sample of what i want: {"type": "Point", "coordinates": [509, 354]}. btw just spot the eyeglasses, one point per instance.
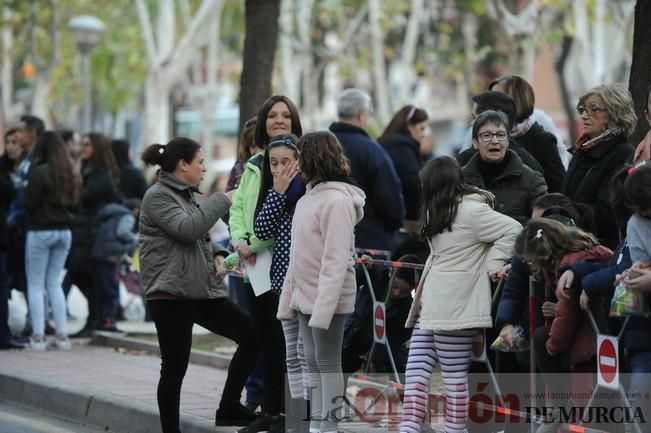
{"type": "Point", "coordinates": [487, 137]}
{"type": "Point", "coordinates": [592, 111]}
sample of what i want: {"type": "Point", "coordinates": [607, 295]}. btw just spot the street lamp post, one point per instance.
{"type": "Point", "coordinates": [87, 31]}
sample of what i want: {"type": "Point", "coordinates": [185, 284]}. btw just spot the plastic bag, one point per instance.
{"type": "Point", "coordinates": [231, 265]}
{"type": "Point", "coordinates": [520, 344]}
{"type": "Point", "coordinates": [627, 301]}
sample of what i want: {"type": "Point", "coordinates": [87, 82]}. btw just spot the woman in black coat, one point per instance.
{"type": "Point", "coordinates": [608, 119]}
{"type": "Point", "coordinates": [100, 172]}
{"type": "Point", "coordinates": [401, 139]}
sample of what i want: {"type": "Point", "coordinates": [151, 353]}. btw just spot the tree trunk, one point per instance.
{"type": "Point", "coordinates": [6, 74]}
{"type": "Point", "coordinates": [402, 74]}
{"type": "Point", "coordinates": [157, 109]}
{"type": "Point", "coordinates": [568, 103]}
{"type": "Point", "coordinates": [379, 70]}
{"type": "Point", "coordinates": [641, 67]}
{"type": "Point", "coordinates": [289, 79]}
{"type": "Point", "coordinates": [259, 50]}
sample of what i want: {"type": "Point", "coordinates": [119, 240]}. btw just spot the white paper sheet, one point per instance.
{"type": "Point", "coordinates": [259, 274]}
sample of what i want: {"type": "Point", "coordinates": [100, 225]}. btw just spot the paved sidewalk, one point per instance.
{"type": "Point", "coordinates": [115, 389]}
{"type": "Point", "coordinates": [110, 388]}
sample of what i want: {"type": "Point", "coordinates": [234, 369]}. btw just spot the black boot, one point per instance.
{"type": "Point", "coordinates": [233, 415]}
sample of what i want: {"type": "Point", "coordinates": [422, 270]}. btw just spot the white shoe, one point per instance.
{"type": "Point", "coordinates": [62, 344]}
{"type": "Point", "coordinates": [37, 345]}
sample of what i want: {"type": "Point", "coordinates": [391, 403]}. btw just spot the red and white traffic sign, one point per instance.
{"type": "Point", "coordinates": [479, 347]}
{"type": "Point", "coordinates": [379, 322]}
{"type": "Point", "coordinates": [608, 362]}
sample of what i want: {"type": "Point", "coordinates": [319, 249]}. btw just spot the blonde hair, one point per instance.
{"type": "Point", "coordinates": [618, 104]}
{"type": "Point", "coordinates": [544, 242]}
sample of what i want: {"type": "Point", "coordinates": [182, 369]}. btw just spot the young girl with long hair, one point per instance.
{"type": "Point", "coordinates": [53, 188]}
{"type": "Point", "coordinates": [320, 288]}
{"type": "Point", "coordinates": [469, 243]}
{"type": "Point", "coordinates": [274, 221]}
{"type": "Point", "coordinates": [277, 116]}
{"type": "Point", "coordinates": [550, 247]}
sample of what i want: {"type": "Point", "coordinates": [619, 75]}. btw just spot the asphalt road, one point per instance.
{"type": "Point", "coordinates": [16, 419]}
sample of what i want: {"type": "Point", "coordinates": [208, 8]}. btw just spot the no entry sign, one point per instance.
{"type": "Point", "coordinates": [608, 362]}
{"type": "Point", "coordinates": [379, 322]}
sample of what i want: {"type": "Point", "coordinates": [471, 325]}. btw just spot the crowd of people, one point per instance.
{"type": "Point", "coordinates": [72, 203]}
{"type": "Point", "coordinates": [300, 206]}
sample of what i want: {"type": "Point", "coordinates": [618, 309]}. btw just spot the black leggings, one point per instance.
{"type": "Point", "coordinates": [174, 320]}
{"type": "Point", "coordinates": [269, 332]}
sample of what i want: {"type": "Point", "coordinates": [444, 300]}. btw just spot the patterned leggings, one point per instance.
{"type": "Point", "coordinates": [295, 359]}
{"type": "Point", "coordinates": [452, 349]}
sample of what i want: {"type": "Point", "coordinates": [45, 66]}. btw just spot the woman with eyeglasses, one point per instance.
{"type": "Point", "coordinates": [277, 116]}
{"type": "Point", "coordinates": [499, 170]}
{"type": "Point", "coordinates": [608, 119]}
{"type": "Point", "coordinates": [531, 134]}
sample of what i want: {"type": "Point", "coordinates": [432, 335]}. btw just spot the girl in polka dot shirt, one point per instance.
{"type": "Point", "coordinates": [274, 221]}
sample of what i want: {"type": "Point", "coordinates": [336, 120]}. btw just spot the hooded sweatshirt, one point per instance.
{"type": "Point", "coordinates": [320, 280]}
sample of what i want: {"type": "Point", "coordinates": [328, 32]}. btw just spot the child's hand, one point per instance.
{"type": "Point", "coordinates": [507, 334]}
{"type": "Point", "coordinates": [367, 260]}
{"type": "Point", "coordinates": [584, 301]}
{"type": "Point", "coordinates": [285, 176]}
{"type": "Point", "coordinates": [564, 284]}
{"type": "Point", "coordinates": [641, 282]}
{"type": "Point", "coordinates": [549, 309]}
{"type": "Point", "coordinates": [219, 261]}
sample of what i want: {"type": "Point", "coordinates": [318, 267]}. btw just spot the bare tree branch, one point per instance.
{"type": "Point", "coordinates": [186, 15]}
{"type": "Point", "coordinates": [411, 35]}
{"type": "Point", "coordinates": [147, 34]}
{"type": "Point", "coordinates": [55, 38]}
{"type": "Point", "coordinates": [186, 48]}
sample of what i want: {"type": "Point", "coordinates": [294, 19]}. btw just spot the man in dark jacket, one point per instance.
{"type": "Point", "coordinates": [373, 170]}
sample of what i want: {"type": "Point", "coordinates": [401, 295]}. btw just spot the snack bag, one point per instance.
{"type": "Point", "coordinates": [231, 264]}
{"type": "Point", "coordinates": [627, 301]}
{"type": "Point", "coordinates": [520, 344]}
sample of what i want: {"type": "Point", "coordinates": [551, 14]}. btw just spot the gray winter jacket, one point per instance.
{"type": "Point", "coordinates": [115, 236]}
{"type": "Point", "coordinates": [176, 256]}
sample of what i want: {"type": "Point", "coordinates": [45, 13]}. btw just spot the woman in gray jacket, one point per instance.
{"type": "Point", "coordinates": [179, 277]}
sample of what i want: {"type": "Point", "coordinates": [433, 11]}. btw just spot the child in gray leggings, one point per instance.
{"type": "Point", "coordinates": [323, 355]}
{"type": "Point", "coordinates": [320, 286]}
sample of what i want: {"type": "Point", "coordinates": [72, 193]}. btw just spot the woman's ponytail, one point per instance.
{"type": "Point", "coordinates": [153, 154]}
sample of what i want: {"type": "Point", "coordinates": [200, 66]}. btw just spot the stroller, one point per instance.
{"type": "Point", "coordinates": [132, 301]}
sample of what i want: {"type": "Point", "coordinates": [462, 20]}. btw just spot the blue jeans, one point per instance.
{"type": "Point", "coordinates": [45, 256]}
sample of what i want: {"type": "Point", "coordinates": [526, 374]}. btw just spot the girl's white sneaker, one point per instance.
{"type": "Point", "coordinates": [62, 343]}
